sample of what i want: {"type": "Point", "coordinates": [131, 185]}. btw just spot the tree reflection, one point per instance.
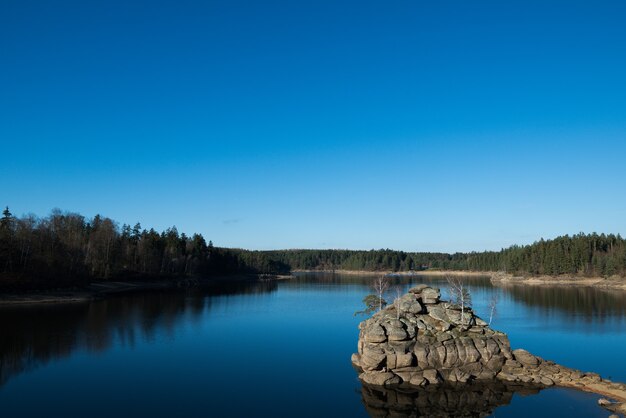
{"type": "Point", "coordinates": [589, 303]}
{"type": "Point", "coordinates": [477, 282]}
{"type": "Point", "coordinates": [586, 302]}
{"type": "Point", "coordinates": [34, 335]}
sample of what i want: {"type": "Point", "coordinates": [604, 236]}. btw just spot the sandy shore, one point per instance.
{"type": "Point", "coordinates": [401, 273]}
{"type": "Point", "coordinates": [442, 273]}
{"type": "Point", "coordinates": [497, 278]}
{"type": "Point", "coordinates": [612, 283]}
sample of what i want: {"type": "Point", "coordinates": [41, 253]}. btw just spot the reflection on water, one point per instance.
{"type": "Point", "coordinates": [587, 302]}
{"type": "Point", "coordinates": [183, 353]}
{"type": "Point", "coordinates": [478, 282]}
{"type": "Point", "coordinates": [37, 334]}
{"type": "Point", "coordinates": [474, 400]}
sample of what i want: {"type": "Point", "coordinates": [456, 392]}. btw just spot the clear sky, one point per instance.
{"type": "Point", "coordinates": [413, 125]}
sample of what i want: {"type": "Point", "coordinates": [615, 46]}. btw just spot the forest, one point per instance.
{"type": "Point", "coordinates": [580, 254]}
{"type": "Point", "coordinates": [65, 248]}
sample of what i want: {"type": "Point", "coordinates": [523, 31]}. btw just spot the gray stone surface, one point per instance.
{"type": "Point", "coordinates": [423, 341]}
{"type": "Point", "coordinates": [427, 342]}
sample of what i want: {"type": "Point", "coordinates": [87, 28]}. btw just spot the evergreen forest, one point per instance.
{"type": "Point", "coordinates": [65, 248]}
{"type": "Point", "coordinates": [581, 254]}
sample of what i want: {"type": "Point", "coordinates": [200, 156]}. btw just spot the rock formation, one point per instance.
{"type": "Point", "coordinates": [421, 340]}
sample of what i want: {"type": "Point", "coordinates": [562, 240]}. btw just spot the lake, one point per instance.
{"type": "Point", "coordinates": [279, 349]}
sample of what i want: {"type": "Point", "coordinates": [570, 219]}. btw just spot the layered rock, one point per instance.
{"type": "Point", "coordinates": [421, 340]}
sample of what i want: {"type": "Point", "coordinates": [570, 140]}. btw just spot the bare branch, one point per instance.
{"type": "Point", "coordinates": [493, 311]}
{"type": "Point", "coordinates": [459, 293]}
{"type": "Point", "coordinates": [397, 290]}
{"type": "Point", "coordinates": [381, 284]}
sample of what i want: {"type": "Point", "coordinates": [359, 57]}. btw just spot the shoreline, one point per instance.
{"type": "Point", "coordinates": [507, 279]}
{"type": "Point", "coordinates": [497, 278]}
{"type": "Point", "coordinates": [102, 289]}
{"type": "Point", "coordinates": [90, 292]}
{"type": "Point", "coordinates": [401, 273]}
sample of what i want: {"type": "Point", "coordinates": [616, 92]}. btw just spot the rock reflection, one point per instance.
{"type": "Point", "coordinates": [469, 400]}
{"type": "Point", "coordinates": [35, 335]}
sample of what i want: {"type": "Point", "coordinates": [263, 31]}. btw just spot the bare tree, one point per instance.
{"type": "Point", "coordinates": [459, 293]}
{"type": "Point", "coordinates": [397, 292]}
{"type": "Point", "coordinates": [375, 301]}
{"type": "Point", "coordinates": [493, 311]}
{"type": "Point", "coordinates": [381, 285]}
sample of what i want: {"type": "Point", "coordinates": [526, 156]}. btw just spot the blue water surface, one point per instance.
{"type": "Point", "coordinates": [275, 349]}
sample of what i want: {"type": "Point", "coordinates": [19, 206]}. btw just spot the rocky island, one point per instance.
{"type": "Point", "coordinates": [421, 341]}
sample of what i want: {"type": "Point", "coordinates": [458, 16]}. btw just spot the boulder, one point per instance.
{"type": "Point", "coordinates": [432, 376]}
{"type": "Point", "coordinates": [430, 295]}
{"type": "Point", "coordinates": [404, 360]}
{"type": "Point", "coordinates": [418, 379]}
{"type": "Point", "coordinates": [371, 358]}
{"type": "Point", "coordinates": [525, 358]}
{"type": "Point", "coordinates": [375, 334]}
{"type": "Point", "coordinates": [438, 312]}
{"type": "Point", "coordinates": [380, 378]}
{"type": "Point", "coordinates": [480, 322]}
{"type": "Point", "coordinates": [418, 289]}
{"type": "Point", "coordinates": [410, 328]}
{"type": "Point", "coordinates": [395, 331]}
{"type": "Point", "coordinates": [410, 304]}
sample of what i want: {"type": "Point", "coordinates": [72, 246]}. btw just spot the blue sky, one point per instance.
{"type": "Point", "coordinates": [422, 126]}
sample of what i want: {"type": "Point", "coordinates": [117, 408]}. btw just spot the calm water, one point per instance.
{"type": "Point", "coordinates": [276, 349]}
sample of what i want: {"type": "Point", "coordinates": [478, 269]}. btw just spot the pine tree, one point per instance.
{"type": "Point", "coordinates": [7, 219]}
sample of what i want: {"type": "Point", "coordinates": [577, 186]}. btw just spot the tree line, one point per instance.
{"type": "Point", "coordinates": [585, 254]}
{"type": "Point", "coordinates": [371, 260]}
{"type": "Point", "coordinates": [582, 254]}
{"type": "Point", "coordinates": [66, 248]}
